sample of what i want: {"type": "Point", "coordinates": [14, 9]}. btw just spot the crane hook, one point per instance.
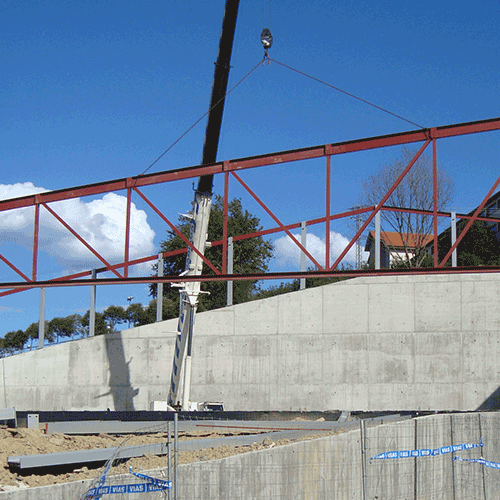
{"type": "Point", "coordinates": [266, 38]}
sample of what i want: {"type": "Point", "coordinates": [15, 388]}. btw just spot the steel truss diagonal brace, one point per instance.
{"type": "Point", "coordinates": [82, 241]}
{"type": "Point", "coordinates": [380, 205]}
{"type": "Point", "coordinates": [280, 224]}
{"type": "Point", "coordinates": [177, 232]}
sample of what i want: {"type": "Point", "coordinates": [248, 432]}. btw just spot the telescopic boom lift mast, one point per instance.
{"type": "Point", "coordinates": [180, 383]}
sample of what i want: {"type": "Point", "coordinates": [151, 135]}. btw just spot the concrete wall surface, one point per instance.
{"type": "Point", "coordinates": [342, 466]}
{"type": "Point", "coordinates": [376, 343]}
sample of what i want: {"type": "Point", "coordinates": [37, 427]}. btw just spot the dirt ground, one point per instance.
{"type": "Point", "coordinates": [20, 441]}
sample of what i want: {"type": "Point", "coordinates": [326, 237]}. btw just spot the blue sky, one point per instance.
{"type": "Point", "coordinates": [94, 91]}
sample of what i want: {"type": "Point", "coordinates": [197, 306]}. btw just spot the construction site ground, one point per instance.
{"type": "Point", "coordinates": [21, 441]}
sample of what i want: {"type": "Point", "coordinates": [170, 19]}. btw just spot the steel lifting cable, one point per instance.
{"type": "Point", "coordinates": [347, 93]}
{"type": "Point", "coordinates": [201, 117]}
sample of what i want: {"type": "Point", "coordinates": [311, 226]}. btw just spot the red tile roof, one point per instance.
{"type": "Point", "coordinates": [396, 240]}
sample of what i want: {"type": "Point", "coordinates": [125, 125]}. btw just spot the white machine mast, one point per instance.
{"type": "Point", "coordinates": [180, 383]}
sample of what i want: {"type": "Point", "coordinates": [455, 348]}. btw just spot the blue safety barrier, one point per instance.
{"type": "Point", "coordinates": [487, 463]}
{"type": "Point", "coordinates": [425, 452]}
{"type": "Point", "coordinates": [127, 488]}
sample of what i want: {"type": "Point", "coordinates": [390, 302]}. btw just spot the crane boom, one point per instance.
{"type": "Point", "coordinates": [180, 383]}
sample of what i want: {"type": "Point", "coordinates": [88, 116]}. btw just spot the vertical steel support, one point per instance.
{"type": "Point", "coordinates": [169, 459]}
{"type": "Point", "coordinates": [230, 270]}
{"type": "Point", "coordinates": [454, 238]}
{"type": "Point", "coordinates": [92, 306]}
{"type": "Point", "coordinates": [224, 223]}
{"type": "Point", "coordinates": [41, 320]}
{"type": "Point", "coordinates": [303, 241]}
{"type": "Point", "coordinates": [127, 234]}
{"type": "Point", "coordinates": [415, 463]}
{"type": "Point", "coordinates": [377, 240]}
{"type": "Point", "coordinates": [176, 452]}
{"type": "Point", "coordinates": [362, 431]}
{"type": "Point", "coordinates": [159, 290]}
{"type": "Point", "coordinates": [327, 233]}
{"type": "Point", "coordinates": [452, 461]}
{"type": "Point", "coordinates": [435, 201]}
{"type": "Point", "coordinates": [36, 225]}
{"type": "Point", "coordinates": [482, 466]}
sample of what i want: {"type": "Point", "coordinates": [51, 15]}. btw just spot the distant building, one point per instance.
{"type": "Point", "coordinates": [492, 209]}
{"type": "Point", "coordinates": [395, 247]}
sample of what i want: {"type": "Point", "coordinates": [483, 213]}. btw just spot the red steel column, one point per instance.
{"type": "Point", "coordinates": [327, 235]}
{"type": "Point", "coordinates": [127, 234]}
{"type": "Point", "coordinates": [36, 226]}
{"type": "Point", "coordinates": [225, 221]}
{"type": "Point", "coordinates": [435, 200]}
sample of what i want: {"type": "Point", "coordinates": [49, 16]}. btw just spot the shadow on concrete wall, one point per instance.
{"type": "Point", "coordinates": [492, 402]}
{"type": "Point", "coordinates": [120, 387]}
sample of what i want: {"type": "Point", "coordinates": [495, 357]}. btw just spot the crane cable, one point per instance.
{"type": "Point", "coordinates": [201, 117]}
{"type": "Point", "coordinates": [347, 93]}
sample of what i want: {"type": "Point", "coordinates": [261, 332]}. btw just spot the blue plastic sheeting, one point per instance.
{"type": "Point", "coordinates": [426, 452]}
{"type": "Point", "coordinates": [487, 463]}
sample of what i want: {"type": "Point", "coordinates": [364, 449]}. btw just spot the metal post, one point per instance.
{"type": "Point", "coordinates": [230, 270]}
{"type": "Point", "coordinates": [415, 470]}
{"type": "Point", "coordinates": [169, 450]}
{"type": "Point", "coordinates": [454, 238]}
{"type": "Point", "coordinates": [377, 240]}
{"type": "Point", "coordinates": [41, 320]}
{"type": "Point", "coordinates": [303, 241]}
{"type": "Point", "coordinates": [176, 452]}
{"type": "Point", "coordinates": [482, 466]}
{"type": "Point", "coordinates": [92, 306]}
{"type": "Point", "coordinates": [452, 461]}
{"type": "Point", "coordinates": [362, 430]}
{"type": "Point", "coordinates": [159, 290]}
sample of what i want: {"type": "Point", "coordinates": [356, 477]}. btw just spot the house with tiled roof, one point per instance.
{"type": "Point", "coordinates": [395, 247]}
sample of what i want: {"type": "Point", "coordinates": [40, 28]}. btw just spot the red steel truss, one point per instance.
{"type": "Point", "coordinates": [229, 169]}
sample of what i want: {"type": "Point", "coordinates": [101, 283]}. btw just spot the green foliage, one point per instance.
{"type": "Point", "coordinates": [114, 315]}
{"type": "Point", "coordinates": [479, 246]}
{"type": "Point", "coordinates": [250, 256]}
{"type": "Point", "coordinates": [101, 326]}
{"type": "Point", "coordinates": [14, 341]}
{"type": "Point", "coordinates": [63, 327]}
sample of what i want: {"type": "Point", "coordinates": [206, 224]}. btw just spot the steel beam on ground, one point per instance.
{"type": "Point", "coordinates": [105, 427]}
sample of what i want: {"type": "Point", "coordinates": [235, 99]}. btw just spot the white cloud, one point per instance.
{"type": "Point", "coordinates": [100, 222]}
{"type": "Point", "coordinates": [287, 253]}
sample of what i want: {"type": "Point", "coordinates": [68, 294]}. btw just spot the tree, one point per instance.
{"type": "Point", "coordinates": [14, 341]}
{"type": "Point", "coordinates": [63, 327]}
{"type": "Point", "coordinates": [101, 326]}
{"type": "Point", "coordinates": [114, 315]}
{"type": "Point", "coordinates": [479, 246]}
{"type": "Point", "coordinates": [249, 256]}
{"type": "Point", "coordinates": [415, 191]}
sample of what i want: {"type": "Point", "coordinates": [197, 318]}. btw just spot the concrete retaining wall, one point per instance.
{"type": "Point", "coordinates": [339, 467]}
{"type": "Point", "coordinates": [395, 343]}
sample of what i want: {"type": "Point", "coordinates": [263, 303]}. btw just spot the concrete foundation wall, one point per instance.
{"type": "Point", "coordinates": [395, 343]}
{"type": "Point", "coordinates": [341, 467]}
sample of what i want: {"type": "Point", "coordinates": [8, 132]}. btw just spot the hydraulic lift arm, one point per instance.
{"type": "Point", "coordinates": [180, 383]}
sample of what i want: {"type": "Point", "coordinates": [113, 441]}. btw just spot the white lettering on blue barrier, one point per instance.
{"type": "Point", "coordinates": [482, 461]}
{"type": "Point", "coordinates": [426, 452]}
{"type": "Point", "coordinates": [128, 488]}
